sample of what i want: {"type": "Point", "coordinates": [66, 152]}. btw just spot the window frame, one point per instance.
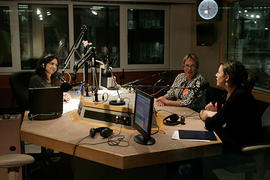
{"type": "Point", "coordinates": [259, 92]}
{"type": "Point", "coordinates": [124, 42]}
{"type": "Point", "coordinates": [15, 39]}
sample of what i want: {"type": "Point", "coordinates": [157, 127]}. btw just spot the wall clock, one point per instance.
{"type": "Point", "coordinates": [208, 9]}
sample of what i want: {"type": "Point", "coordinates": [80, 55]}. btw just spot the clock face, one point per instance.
{"type": "Point", "coordinates": [208, 9]}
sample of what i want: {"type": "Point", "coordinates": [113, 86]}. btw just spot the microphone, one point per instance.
{"type": "Point", "coordinates": [201, 88]}
{"type": "Point", "coordinates": [166, 74]}
{"type": "Point", "coordinates": [195, 89]}
{"type": "Point", "coordinates": [60, 76]}
{"type": "Point", "coordinates": [163, 76]}
{"type": "Point", "coordinates": [119, 100]}
{"type": "Point", "coordinates": [67, 86]}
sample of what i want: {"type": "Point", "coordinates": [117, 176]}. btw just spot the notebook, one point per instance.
{"type": "Point", "coordinates": [45, 103]}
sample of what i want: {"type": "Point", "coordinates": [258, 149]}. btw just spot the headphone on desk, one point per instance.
{"type": "Point", "coordinates": [105, 132]}
{"type": "Point", "coordinates": [172, 120]}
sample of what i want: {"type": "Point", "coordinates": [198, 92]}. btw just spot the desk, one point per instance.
{"type": "Point", "coordinates": [63, 133]}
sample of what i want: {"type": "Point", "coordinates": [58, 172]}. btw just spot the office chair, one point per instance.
{"type": "Point", "coordinates": [259, 153]}
{"type": "Point", "coordinates": [13, 162]}
{"type": "Point", "coordinates": [19, 85]}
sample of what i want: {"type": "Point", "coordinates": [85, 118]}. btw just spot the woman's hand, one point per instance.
{"type": "Point", "coordinates": [204, 114]}
{"type": "Point", "coordinates": [66, 97]}
{"type": "Point", "coordinates": [211, 107]}
{"type": "Point", "coordinates": [161, 101]}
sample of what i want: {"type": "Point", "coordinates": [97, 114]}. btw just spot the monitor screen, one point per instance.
{"type": "Point", "coordinates": [143, 117]}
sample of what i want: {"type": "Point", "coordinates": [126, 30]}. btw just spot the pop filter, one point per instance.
{"type": "Point", "coordinates": [66, 87]}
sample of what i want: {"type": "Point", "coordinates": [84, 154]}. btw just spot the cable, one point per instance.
{"type": "Point", "coordinates": [120, 139]}
{"type": "Point", "coordinates": [74, 148]}
{"type": "Point", "coordinates": [111, 141]}
{"type": "Point", "coordinates": [158, 130]}
{"type": "Point", "coordinates": [117, 142]}
{"type": "Point", "coordinates": [155, 132]}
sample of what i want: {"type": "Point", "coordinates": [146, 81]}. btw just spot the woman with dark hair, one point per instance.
{"type": "Point", "coordinates": [237, 122]}
{"type": "Point", "coordinates": [186, 89]}
{"type": "Point", "coordinates": [46, 72]}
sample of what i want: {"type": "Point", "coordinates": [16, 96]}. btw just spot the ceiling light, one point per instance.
{"type": "Point", "coordinates": [94, 12]}
{"type": "Point", "coordinates": [38, 11]}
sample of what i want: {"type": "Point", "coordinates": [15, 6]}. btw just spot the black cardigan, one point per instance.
{"type": "Point", "coordinates": [237, 123]}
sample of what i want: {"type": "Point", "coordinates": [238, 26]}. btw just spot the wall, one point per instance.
{"type": "Point", "coordinates": [181, 26]}
{"type": "Point", "coordinates": [183, 40]}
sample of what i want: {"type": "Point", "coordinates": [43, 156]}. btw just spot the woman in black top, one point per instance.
{"type": "Point", "coordinates": [46, 72]}
{"type": "Point", "coordinates": [237, 122]}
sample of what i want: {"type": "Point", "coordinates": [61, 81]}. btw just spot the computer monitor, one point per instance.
{"type": "Point", "coordinates": [143, 117]}
{"type": "Point", "coordinates": [104, 75]}
{"type": "Point", "coordinates": [45, 103]}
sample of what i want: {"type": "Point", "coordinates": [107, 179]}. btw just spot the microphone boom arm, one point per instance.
{"type": "Point", "coordinates": [82, 61]}
{"type": "Point", "coordinates": [74, 47]}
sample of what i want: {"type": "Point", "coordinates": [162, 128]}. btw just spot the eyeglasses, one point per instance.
{"type": "Point", "coordinates": [190, 66]}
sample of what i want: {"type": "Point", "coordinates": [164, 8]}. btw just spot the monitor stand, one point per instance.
{"type": "Point", "coordinates": [141, 140]}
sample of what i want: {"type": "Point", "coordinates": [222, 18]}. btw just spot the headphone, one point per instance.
{"type": "Point", "coordinates": [105, 132]}
{"type": "Point", "coordinates": [172, 120]}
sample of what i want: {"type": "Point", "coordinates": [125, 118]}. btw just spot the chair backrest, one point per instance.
{"type": "Point", "coordinates": [266, 117]}
{"type": "Point", "coordinates": [266, 123]}
{"type": "Point", "coordinates": [19, 82]}
{"type": "Point", "coordinates": [214, 95]}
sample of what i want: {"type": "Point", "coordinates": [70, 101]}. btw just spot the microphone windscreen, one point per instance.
{"type": "Point", "coordinates": [66, 87]}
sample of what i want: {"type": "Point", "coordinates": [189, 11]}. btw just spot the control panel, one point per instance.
{"type": "Point", "coordinates": [105, 116]}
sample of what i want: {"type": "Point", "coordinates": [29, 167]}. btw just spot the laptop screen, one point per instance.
{"type": "Point", "coordinates": [45, 103]}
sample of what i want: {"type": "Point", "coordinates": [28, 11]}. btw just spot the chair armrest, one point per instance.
{"type": "Point", "coordinates": [257, 147]}
{"type": "Point", "coordinates": [15, 160]}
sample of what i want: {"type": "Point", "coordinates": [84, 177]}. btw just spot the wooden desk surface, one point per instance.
{"type": "Point", "coordinates": [63, 133]}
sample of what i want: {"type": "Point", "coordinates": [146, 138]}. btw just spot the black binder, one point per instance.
{"type": "Point", "coordinates": [197, 135]}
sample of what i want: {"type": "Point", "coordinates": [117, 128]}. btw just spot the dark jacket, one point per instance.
{"type": "Point", "coordinates": [237, 123]}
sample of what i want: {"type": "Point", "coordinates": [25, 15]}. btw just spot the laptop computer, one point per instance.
{"type": "Point", "coordinates": [45, 103]}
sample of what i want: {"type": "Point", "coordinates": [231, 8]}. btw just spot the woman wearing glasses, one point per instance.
{"type": "Point", "coordinates": [187, 89]}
